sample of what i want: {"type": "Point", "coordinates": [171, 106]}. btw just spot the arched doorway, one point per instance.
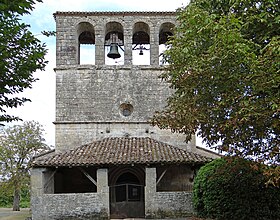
{"type": "Point", "coordinates": [127, 194]}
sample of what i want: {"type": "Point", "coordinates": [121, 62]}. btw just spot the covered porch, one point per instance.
{"type": "Point", "coordinates": [115, 178]}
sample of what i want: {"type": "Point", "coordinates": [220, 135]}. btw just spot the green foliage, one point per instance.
{"type": "Point", "coordinates": [224, 64]}
{"type": "Point", "coordinates": [234, 188]}
{"type": "Point", "coordinates": [21, 54]}
{"type": "Point", "coordinates": [18, 145]}
{"type": "Point", "coordinates": [48, 33]}
{"type": "Point", "coordinates": [6, 195]}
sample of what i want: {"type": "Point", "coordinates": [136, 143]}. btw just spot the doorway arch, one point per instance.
{"type": "Point", "coordinates": [127, 193]}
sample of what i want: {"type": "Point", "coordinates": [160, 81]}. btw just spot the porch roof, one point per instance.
{"type": "Point", "coordinates": [121, 150]}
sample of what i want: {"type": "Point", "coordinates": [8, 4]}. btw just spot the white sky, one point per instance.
{"type": "Point", "coordinates": [42, 107]}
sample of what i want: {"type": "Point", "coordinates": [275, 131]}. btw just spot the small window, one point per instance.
{"type": "Point", "coordinates": [86, 52]}
{"type": "Point", "coordinates": [126, 109]}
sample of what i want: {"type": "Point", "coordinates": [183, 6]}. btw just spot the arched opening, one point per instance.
{"type": "Point", "coordinates": [127, 188]}
{"type": "Point", "coordinates": [141, 44]}
{"type": "Point", "coordinates": [126, 192]}
{"type": "Point", "coordinates": [86, 41]}
{"type": "Point", "coordinates": [166, 30]}
{"type": "Point", "coordinates": [114, 44]}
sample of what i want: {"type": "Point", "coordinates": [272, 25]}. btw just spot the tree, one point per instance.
{"type": "Point", "coordinates": [21, 54]}
{"type": "Point", "coordinates": [224, 64]}
{"type": "Point", "coordinates": [18, 145]}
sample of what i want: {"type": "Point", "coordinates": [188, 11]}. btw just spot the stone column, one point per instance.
{"type": "Point", "coordinates": [154, 46]}
{"type": "Point", "coordinates": [150, 191]}
{"type": "Point", "coordinates": [37, 191]}
{"type": "Point", "coordinates": [127, 44]}
{"type": "Point", "coordinates": [99, 45]}
{"type": "Point", "coordinates": [37, 181]}
{"type": "Point", "coordinates": [103, 189]}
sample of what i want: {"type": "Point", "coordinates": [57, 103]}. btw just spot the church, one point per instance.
{"type": "Point", "coordinates": [109, 162]}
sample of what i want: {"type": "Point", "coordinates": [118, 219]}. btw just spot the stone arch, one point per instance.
{"type": "Point", "coordinates": [141, 43]}
{"type": "Point", "coordinates": [165, 31]}
{"type": "Point", "coordinates": [126, 185]}
{"type": "Point", "coordinates": [114, 33]}
{"type": "Point", "coordinates": [141, 33]}
{"type": "Point", "coordinates": [116, 172]}
{"type": "Point", "coordinates": [86, 42]}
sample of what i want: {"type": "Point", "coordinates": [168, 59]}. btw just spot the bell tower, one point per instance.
{"type": "Point", "coordinates": [113, 94]}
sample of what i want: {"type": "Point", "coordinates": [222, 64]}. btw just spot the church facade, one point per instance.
{"type": "Point", "coordinates": [109, 162]}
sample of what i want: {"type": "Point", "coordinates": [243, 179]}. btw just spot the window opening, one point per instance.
{"type": "Point", "coordinates": [86, 52]}
{"type": "Point", "coordinates": [166, 31]}
{"type": "Point", "coordinates": [141, 44]}
{"type": "Point", "coordinates": [114, 44]}
{"type": "Point", "coordinates": [126, 109]}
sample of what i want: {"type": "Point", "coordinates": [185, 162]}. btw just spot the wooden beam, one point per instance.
{"type": "Point", "coordinates": [50, 178]}
{"type": "Point", "coordinates": [88, 176]}
{"type": "Point", "coordinates": [161, 176]}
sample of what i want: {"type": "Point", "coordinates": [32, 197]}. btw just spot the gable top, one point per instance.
{"type": "Point", "coordinates": [117, 151]}
{"type": "Point", "coordinates": [113, 13]}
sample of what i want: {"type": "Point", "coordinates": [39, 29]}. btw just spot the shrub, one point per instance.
{"type": "Point", "coordinates": [234, 188]}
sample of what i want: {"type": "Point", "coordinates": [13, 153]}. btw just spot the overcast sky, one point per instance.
{"type": "Point", "coordinates": [42, 107]}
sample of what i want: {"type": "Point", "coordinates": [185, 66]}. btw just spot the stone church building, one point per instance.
{"type": "Point", "coordinates": [109, 162]}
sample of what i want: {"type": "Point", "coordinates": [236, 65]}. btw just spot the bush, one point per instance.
{"type": "Point", "coordinates": [234, 188]}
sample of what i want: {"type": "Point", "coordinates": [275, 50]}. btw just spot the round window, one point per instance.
{"type": "Point", "coordinates": [126, 109]}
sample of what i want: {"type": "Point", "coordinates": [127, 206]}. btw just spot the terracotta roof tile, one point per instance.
{"type": "Point", "coordinates": [112, 151]}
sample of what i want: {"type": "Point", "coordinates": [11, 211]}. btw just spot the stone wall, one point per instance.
{"type": "Point", "coordinates": [171, 205]}
{"type": "Point", "coordinates": [71, 206]}
{"type": "Point", "coordinates": [68, 206]}
{"type": "Point", "coordinates": [89, 105]}
{"type": "Point", "coordinates": [165, 204]}
{"type": "Point", "coordinates": [96, 94]}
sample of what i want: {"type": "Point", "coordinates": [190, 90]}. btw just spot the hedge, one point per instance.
{"type": "Point", "coordinates": [234, 188]}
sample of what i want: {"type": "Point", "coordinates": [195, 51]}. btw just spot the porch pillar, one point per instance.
{"type": "Point", "coordinates": [37, 181]}
{"type": "Point", "coordinates": [103, 190]}
{"type": "Point", "coordinates": [150, 191]}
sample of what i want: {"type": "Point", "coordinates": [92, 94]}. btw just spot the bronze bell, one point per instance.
{"type": "Point", "coordinates": [113, 53]}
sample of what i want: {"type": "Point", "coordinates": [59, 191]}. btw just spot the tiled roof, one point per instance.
{"type": "Point", "coordinates": [113, 151]}
{"type": "Point", "coordinates": [116, 13]}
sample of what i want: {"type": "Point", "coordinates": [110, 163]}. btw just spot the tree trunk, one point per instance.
{"type": "Point", "coordinates": [16, 200]}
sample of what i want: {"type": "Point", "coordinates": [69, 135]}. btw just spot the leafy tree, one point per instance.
{"type": "Point", "coordinates": [21, 54]}
{"type": "Point", "coordinates": [224, 64]}
{"type": "Point", "coordinates": [18, 145]}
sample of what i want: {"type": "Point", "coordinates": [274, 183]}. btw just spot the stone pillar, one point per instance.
{"type": "Point", "coordinates": [103, 189]}
{"type": "Point", "coordinates": [150, 191]}
{"type": "Point", "coordinates": [127, 44]}
{"type": "Point", "coordinates": [37, 181]}
{"type": "Point", "coordinates": [99, 45]}
{"type": "Point", "coordinates": [37, 191]}
{"type": "Point", "coordinates": [154, 46]}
